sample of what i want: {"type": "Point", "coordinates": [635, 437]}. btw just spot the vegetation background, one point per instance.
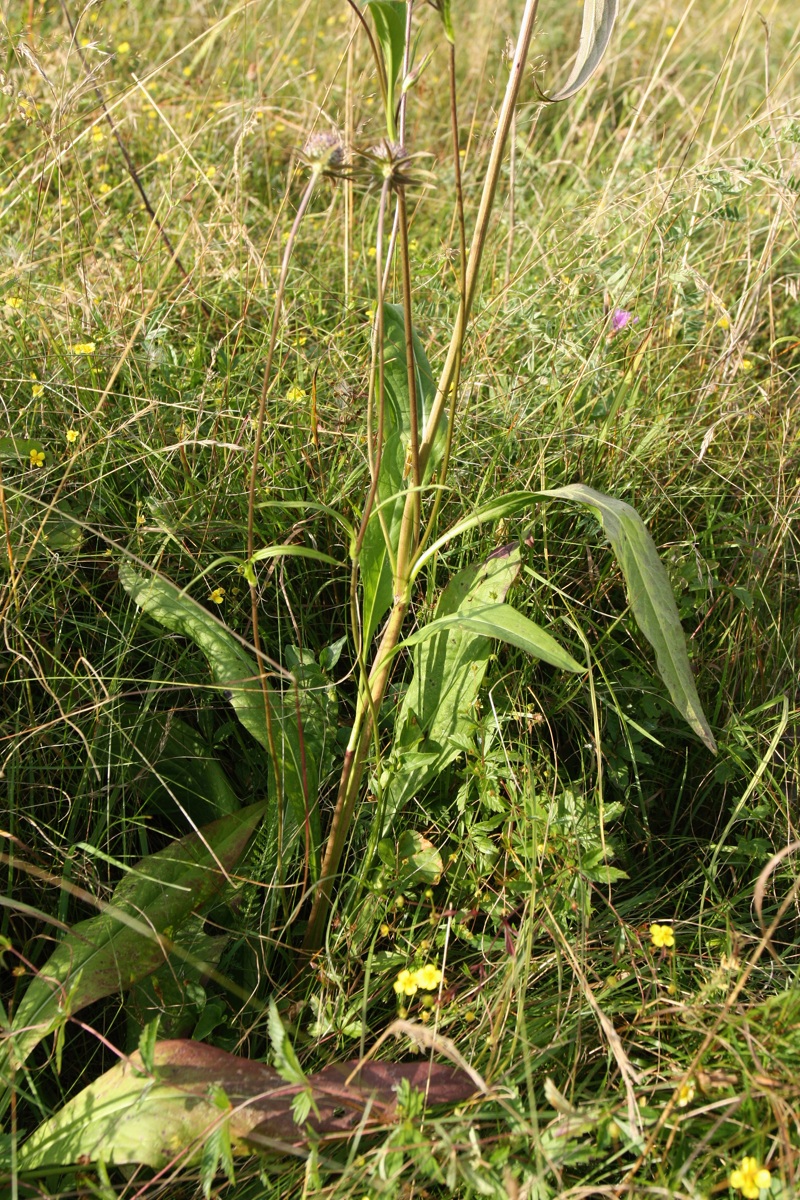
{"type": "Point", "coordinates": [666, 190]}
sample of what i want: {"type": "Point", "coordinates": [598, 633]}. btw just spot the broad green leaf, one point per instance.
{"type": "Point", "coordinates": [412, 859]}
{"type": "Point", "coordinates": [131, 1116]}
{"type": "Point", "coordinates": [170, 764]}
{"type": "Point", "coordinates": [110, 952]}
{"type": "Point", "coordinates": [505, 623]}
{"type": "Point", "coordinates": [598, 24]}
{"type": "Point", "coordinates": [650, 597]}
{"type": "Point", "coordinates": [14, 449]}
{"type": "Point", "coordinates": [375, 565]}
{"type": "Point", "coordinates": [301, 748]}
{"type": "Point", "coordinates": [390, 25]}
{"type": "Point", "coordinates": [436, 718]}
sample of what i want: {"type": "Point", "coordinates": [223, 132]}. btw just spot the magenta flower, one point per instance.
{"type": "Point", "coordinates": [621, 318]}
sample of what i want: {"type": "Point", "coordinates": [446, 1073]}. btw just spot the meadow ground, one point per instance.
{"type": "Point", "coordinates": [637, 329]}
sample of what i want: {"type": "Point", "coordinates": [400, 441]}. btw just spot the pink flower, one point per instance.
{"type": "Point", "coordinates": [621, 318]}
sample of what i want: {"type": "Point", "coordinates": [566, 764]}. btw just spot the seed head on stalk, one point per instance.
{"type": "Point", "coordinates": [325, 154]}
{"type": "Point", "coordinates": [390, 162]}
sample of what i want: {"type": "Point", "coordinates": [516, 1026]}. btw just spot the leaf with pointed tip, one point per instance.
{"type": "Point", "coordinates": [130, 1116]}
{"type": "Point", "coordinates": [390, 25]}
{"type": "Point", "coordinates": [110, 952]}
{"type": "Point", "coordinates": [506, 624]}
{"type": "Point", "coordinates": [650, 596]}
{"type": "Point", "coordinates": [598, 24]}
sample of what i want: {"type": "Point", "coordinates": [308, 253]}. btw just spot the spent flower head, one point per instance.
{"type": "Point", "coordinates": [749, 1178]}
{"type": "Point", "coordinates": [390, 163]}
{"type": "Point", "coordinates": [324, 152]}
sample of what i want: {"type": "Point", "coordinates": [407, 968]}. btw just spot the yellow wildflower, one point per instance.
{"type": "Point", "coordinates": [670, 30]}
{"type": "Point", "coordinates": [747, 364]}
{"type": "Point", "coordinates": [723, 323]}
{"type": "Point", "coordinates": [211, 172]}
{"type": "Point", "coordinates": [124, 48]}
{"type": "Point", "coordinates": [662, 936]}
{"type": "Point", "coordinates": [686, 1093]}
{"type": "Point", "coordinates": [83, 348]}
{"type": "Point", "coordinates": [406, 983]}
{"type": "Point", "coordinates": [161, 157]}
{"type": "Point", "coordinates": [217, 595]}
{"type": "Point", "coordinates": [749, 1178]}
{"type": "Point", "coordinates": [37, 458]}
{"type": "Point", "coordinates": [104, 189]}
{"type": "Point", "coordinates": [187, 72]}
{"type": "Point", "coordinates": [37, 390]}
{"type": "Point", "coordinates": [295, 393]}
{"type": "Point", "coordinates": [98, 134]}
{"type": "Point", "coordinates": [428, 978]}
{"type": "Point", "coordinates": [13, 301]}
{"type": "Point", "coordinates": [72, 436]}
{"type": "Point", "coordinates": [371, 252]}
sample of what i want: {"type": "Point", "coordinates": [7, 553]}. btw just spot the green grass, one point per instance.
{"type": "Point", "coordinates": [667, 188]}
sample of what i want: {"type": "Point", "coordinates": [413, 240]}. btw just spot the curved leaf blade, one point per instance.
{"type": "Point", "coordinates": [505, 624]}
{"type": "Point", "coordinates": [650, 596]}
{"type": "Point", "coordinates": [598, 25]}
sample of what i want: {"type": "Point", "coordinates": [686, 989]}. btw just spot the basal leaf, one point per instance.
{"type": "Point", "coordinates": [300, 744]}
{"type": "Point", "coordinates": [598, 24]}
{"type": "Point", "coordinates": [131, 1116]}
{"type": "Point", "coordinates": [650, 596]}
{"type": "Point", "coordinates": [110, 952]}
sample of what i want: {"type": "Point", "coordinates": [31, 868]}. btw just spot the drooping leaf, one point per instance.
{"type": "Point", "coordinates": [110, 952]}
{"type": "Point", "coordinates": [506, 624]}
{"type": "Point", "coordinates": [170, 764]}
{"type": "Point", "coordinates": [436, 718]}
{"type": "Point", "coordinates": [390, 25]}
{"type": "Point", "coordinates": [598, 24]}
{"type": "Point", "coordinates": [375, 563]}
{"type": "Point", "coordinates": [302, 714]}
{"type": "Point", "coordinates": [127, 1116]}
{"type": "Point", "coordinates": [650, 597]}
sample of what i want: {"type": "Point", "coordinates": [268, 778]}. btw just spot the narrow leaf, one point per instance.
{"type": "Point", "coordinates": [598, 24]}
{"type": "Point", "coordinates": [505, 623]}
{"type": "Point", "coordinates": [650, 597]}
{"type": "Point", "coordinates": [390, 25]}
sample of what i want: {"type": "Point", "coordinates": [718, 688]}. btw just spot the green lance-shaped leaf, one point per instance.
{"type": "Point", "coordinates": [598, 24]}
{"type": "Point", "coordinates": [301, 747]}
{"type": "Point", "coordinates": [650, 596]}
{"type": "Point", "coordinates": [506, 624]}
{"type": "Point", "coordinates": [444, 7]}
{"type": "Point", "coordinates": [394, 475]}
{"type": "Point", "coordinates": [436, 718]}
{"type": "Point", "coordinates": [171, 764]}
{"type": "Point", "coordinates": [390, 25]}
{"type": "Point", "coordinates": [110, 952]}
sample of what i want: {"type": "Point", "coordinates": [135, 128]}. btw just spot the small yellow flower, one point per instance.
{"type": "Point", "coordinates": [98, 135]}
{"type": "Point", "coordinates": [669, 30]}
{"type": "Point", "coordinates": [385, 930]}
{"type": "Point", "coordinates": [124, 48]}
{"type": "Point", "coordinates": [187, 71]}
{"type": "Point", "coordinates": [104, 189]}
{"type": "Point", "coordinates": [723, 323]}
{"type": "Point", "coordinates": [371, 252]}
{"type": "Point", "coordinates": [686, 1093]}
{"type": "Point", "coordinates": [37, 389]}
{"type": "Point", "coordinates": [161, 157]}
{"type": "Point", "coordinates": [217, 595]}
{"type": "Point", "coordinates": [428, 978]}
{"type": "Point", "coordinates": [72, 436]}
{"type": "Point", "coordinates": [747, 364]}
{"type": "Point", "coordinates": [662, 936]}
{"type": "Point", "coordinates": [37, 458]}
{"type": "Point", "coordinates": [13, 301]}
{"type": "Point", "coordinates": [211, 172]}
{"type": "Point", "coordinates": [295, 393]}
{"type": "Point", "coordinates": [406, 983]}
{"type": "Point", "coordinates": [83, 348]}
{"type": "Point", "coordinates": [749, 1178]}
